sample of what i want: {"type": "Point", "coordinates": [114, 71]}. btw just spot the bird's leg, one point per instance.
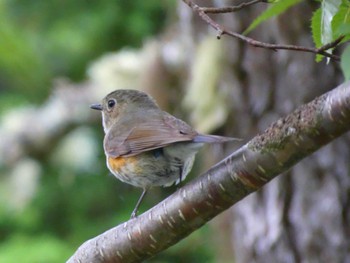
{"type": "Point", "coordinates": [134, 212]}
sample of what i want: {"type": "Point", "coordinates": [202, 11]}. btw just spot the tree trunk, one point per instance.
{"type": "Point", "coordinates": [304, 215]}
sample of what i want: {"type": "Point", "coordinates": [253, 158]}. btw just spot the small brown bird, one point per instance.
{"type": "Point", "coordinates": [146, 146]}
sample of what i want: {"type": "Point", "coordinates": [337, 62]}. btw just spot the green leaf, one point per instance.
{"type": "Point", "coordinates": [341, 22]}
{"type": "Point", "coordinates": [329, 10]}
{"type": "Point", "coordinates": [316, 31]}
{"type": "Point", "coordinates": [345, 63]}
{"type": "Point", "coordinates": [345, 3]}
{"type": "Point", "coordinates": [316, 27]}
{"type": "Point", "coordinates": [275, 9]}
{"type": "Point", "coordinates": [344, 29]}
{"type": "Point", "coordinates": [322, 24]}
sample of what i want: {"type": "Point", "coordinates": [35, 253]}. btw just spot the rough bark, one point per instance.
{"type": "Point", "coordinates": [304, 215]}
{"type": "Point", "coordinates": [283, 144]}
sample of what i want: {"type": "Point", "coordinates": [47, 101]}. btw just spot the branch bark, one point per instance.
{"type": "Point", "coordinates": [203, 13]}
{"type": "Point", "coordinates": [279, 147]}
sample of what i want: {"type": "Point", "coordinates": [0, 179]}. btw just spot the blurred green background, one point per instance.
{"type": "Point", "coordinates": [39, 41]}
{"type": "Point", "coordinates": [45, 39]}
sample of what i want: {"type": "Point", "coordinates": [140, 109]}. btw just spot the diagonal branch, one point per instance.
{"type": "Point", "coordinates": [278, 148]}
{"type": "Point", "coordinates": [230, 9]}
{"type": "Point", "coordinates": [275, 47]}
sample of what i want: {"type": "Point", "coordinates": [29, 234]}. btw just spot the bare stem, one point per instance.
{"type": "Point", "coordinates": [202, 12]}
{"type": "Point", "coordinates": [229, 9]}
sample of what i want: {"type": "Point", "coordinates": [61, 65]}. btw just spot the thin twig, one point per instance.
{"type": "Point", "coordinates": [229, 9]}
{"type": "Point", "coordinates": [275, 47]}
{"type": "Point", "coordinates": [331, 44]}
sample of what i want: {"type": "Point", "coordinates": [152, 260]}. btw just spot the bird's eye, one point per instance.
{"type": "Point", "coordinates": [111, 103]}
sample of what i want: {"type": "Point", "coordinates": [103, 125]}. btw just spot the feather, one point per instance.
{"type": "Point", "coordinates": [146, 134]}
{"type": "Point", "coordinates": [204, 138]}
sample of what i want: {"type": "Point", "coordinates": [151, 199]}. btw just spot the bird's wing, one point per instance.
{"type": "Point", "coordinates": [146, 135]}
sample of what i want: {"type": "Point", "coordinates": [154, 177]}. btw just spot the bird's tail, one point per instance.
{"type": "Point", "coordinates": [203, 138]}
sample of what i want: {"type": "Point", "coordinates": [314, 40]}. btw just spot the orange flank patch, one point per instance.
{"type": "Point", "coordinates": [121, 164]}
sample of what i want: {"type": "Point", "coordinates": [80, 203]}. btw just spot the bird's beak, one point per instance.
{"type": "Point", "coordinates": [96, 106]}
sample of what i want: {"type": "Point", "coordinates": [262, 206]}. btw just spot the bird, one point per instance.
{"type": "Point", "coordinates": [146, 146]}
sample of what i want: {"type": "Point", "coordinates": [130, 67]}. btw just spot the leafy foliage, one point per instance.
{"type": "Point", "coordinates": [43, 248]}
{"type": "Point", "coordinates": [321, 25]}
{"type": "Point", "coordinates": [345, 63]}
{"type": "Point", "coordinates": [41, 39]}
{"type": "Point", "coordinates": [316, 27]}
{"type": "Point", "coordinates": [329, 22]}
{"type": "Point", "coordinates": [277, 7]}
{"type": "Point", "coordinates": [341, 21]}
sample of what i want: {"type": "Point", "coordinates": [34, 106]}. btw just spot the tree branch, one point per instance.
{"type": "Point", "coordinates": [202, 12]}
{"type": "Point", "coordinates": [278, 148]}
{"type": "Point", "coordinates": [229, 9]}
